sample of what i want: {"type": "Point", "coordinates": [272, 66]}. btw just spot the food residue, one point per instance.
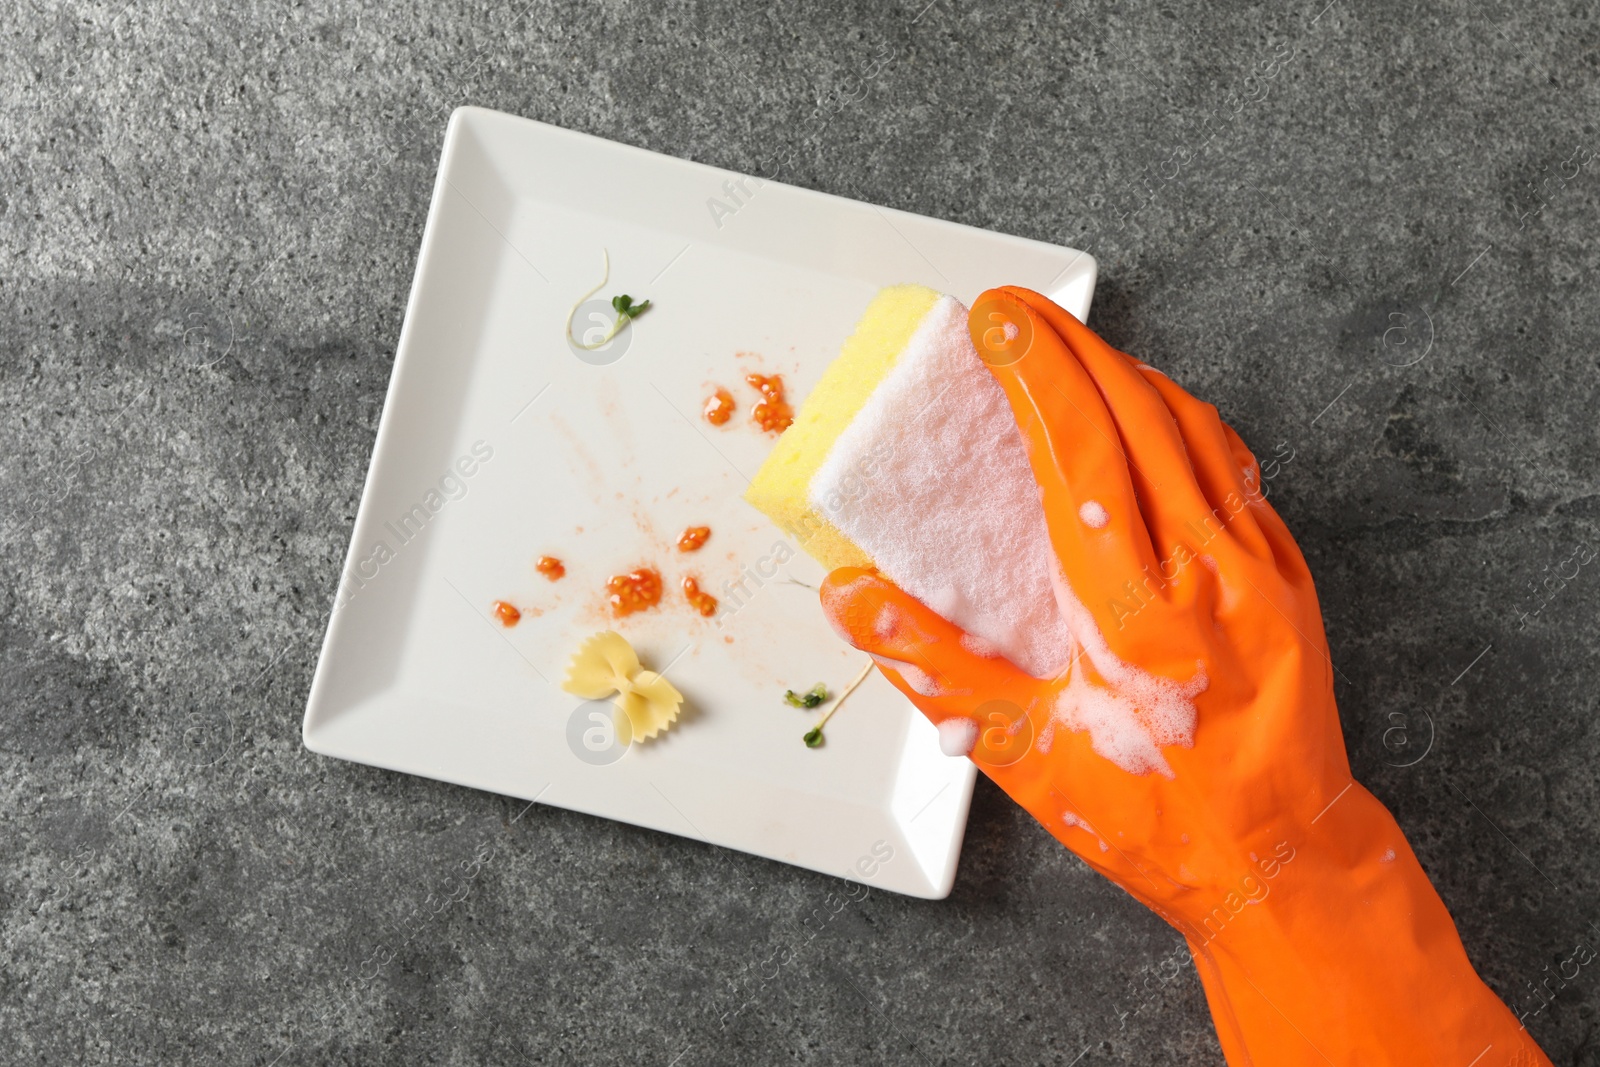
{"type": "Point", "coordinates": [812, 698]}
{"type": "Point", "coordinates": [635, 591]}
{"type": "Point", "coordinates": [507, 613]}
{"type": "Point", "coordinates": [704, 603]}
{"type": "Point", "coordinates": [718, 407]}
{"type": "Point", "coordinates": [551, 567]}
{"type": "Point", "coordinates": [607, 664]}
{"type": "Point", "coordinates": [813, 737]}
{"type": "Point", "coordinates": [693, 538]}
{"type": "Point", "coordinates": [622, 304]}
{"type": "Point", "coordinates": [773, 414]}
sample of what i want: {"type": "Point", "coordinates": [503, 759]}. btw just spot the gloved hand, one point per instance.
{"type": "Point", "coordinates": [1191, 751]}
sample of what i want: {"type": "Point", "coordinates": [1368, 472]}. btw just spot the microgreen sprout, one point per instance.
{"type": "Point", "coordinates": [623, 305]}
{"type": "Point", "coordinates": [813, 736]}
{"type": "Point", "coordinates": [812, 699]}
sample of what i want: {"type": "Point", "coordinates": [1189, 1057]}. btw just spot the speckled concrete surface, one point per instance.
{"type": "Point", "coordinates": [1366, 230]}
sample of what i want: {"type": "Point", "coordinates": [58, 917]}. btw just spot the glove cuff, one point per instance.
{"type": "Point", "coordinates": [1351, 957]}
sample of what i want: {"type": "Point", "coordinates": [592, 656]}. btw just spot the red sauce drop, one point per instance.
{"type": "Point", "coordinates": [719, 407]}
{"type": "Point", "coordinates": [693, 538]}
{"type": "Point", "coordinates": [550, 567]}
{"type": "Point", "coordinates": [704, 603]}
{"type": "Point", "coordinates": [634, 591]}
{"type": "Point", "coordinates": [508, 615]}
{"type": "Point", "coordinates": [773, 414]}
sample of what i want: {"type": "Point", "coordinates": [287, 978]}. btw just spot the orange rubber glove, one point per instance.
{"type": "Point", "coordinates": [1191, 751]}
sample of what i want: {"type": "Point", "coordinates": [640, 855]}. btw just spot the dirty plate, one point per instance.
{"type": "Point", "coordinates": [500, 443]}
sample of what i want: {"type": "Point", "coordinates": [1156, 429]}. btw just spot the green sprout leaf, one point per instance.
{"type": "Point", "coordinates": [814, 737]}
{"type": "Point", "coordinates": [812, 699]}
{"type": "Point", "coordinates": [626, 309]}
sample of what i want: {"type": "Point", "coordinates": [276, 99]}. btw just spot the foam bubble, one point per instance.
{"type": "Point", "coordinates": [1011, 330]}
{"type": "Point", "coordinates": [1093, 514]}
{"type": "Point", "coordinates": [958, 736]}
{"type": "Point", "coordinates": [1387, 857]}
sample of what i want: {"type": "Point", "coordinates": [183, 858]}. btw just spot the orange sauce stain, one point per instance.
{"type": "Point", "coordinates": [508, 615]}
{"type": "Point", "coordinates": [773, 414]}
{"type": "Point", "coordinates": [718, 407]}
{"type": "Point", "coordinates": [551, 568]}
{"type": "Point", "coordinates": [693, 538]}
{"type": "Point", "coordinates": [704, 603]}
{"type": "Point", "coordinates": [635, 591]}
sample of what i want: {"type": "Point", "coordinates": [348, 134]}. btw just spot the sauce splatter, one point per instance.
{"type": "Point", "coordinates": [634, 591]}
{"type": "Point", "coordinates": [693, 538]}
{"type": "Point", "coordinates": [718, 407]}
{"type": "Point", "coordinates": [551, 568]}
{"type": "Point", "coordinates": [773, 414]}
{"type": "Point", "coordinates": [508, 615]}
{"type": "Point", "coordinates": [703, 602]}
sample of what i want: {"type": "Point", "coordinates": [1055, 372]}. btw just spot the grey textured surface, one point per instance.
{"type": "Point", "coordinates": [209, 215]}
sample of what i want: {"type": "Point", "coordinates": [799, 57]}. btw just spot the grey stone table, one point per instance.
{"type": "Point", "coordinates": [1365, 230]}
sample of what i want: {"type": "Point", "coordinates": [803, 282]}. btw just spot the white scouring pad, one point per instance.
{"type": "Point", "coordinates": [906, 457]}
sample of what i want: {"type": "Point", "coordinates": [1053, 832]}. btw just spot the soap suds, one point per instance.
{"type": "Point", "coordinates": [979, 647]}
{"type": "Point", "coordinates": [958, 736]}
{"type": "Point", "coordinates": [1011, 330]}
{"type": "Point", "coordinates": [920, 681]}
{"type": "Point", "coordinates": [1081, 823]}
{"type": "Point", "coordinates": [1387, 857]}
{"type": "Point", "coordinates": [887, 622]}
{"type": "Point", "coordinates": [1133, 713]}
{"type": "Point", "coordinates": [1093, 514]}
{"type": "Point", "coordinates": [955, 518]}
{"type": "Point", "coordinates": [842, 595]}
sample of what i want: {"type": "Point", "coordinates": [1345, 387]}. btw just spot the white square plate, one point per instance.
{"type": "Point", "coordinates": [498, 444]}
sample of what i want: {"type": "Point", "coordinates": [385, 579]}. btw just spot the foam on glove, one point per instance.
{"type": "Point", "coordinates": [906, 457]}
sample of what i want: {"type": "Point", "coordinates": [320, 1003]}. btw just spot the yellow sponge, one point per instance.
{"type": "Point", "coordinates": [906, 457]}
{"type": "Point", "coordinates": [781, 488]}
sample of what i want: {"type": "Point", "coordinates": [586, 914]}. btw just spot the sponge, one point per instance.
{"type": "Point", "coordinates": [906, 458]}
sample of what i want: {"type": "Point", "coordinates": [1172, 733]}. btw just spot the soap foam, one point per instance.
{"type": "Point", "coordinates": [955, 520]}
{"type": "Point", "coordinates": [1093, 514]}
{"type": "Point", "coordinates": [958, 736]}
{"type": "Point", "coordinates": [979, 647]}
{"type": "Point", "coordinates": [920, 681]}
{"type": "Point", "coordinates": [1134, 713]}
{"type": "Point", "coordinates": [1081, 823]}
{"type": "Point", "coordinates": [887, 623]}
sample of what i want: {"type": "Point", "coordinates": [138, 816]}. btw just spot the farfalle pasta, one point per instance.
{"type": "Point", "coordinates": [606, 664]}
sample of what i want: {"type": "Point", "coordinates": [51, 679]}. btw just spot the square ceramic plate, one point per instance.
{"type": "Point", "coordinates": [499, 443]}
